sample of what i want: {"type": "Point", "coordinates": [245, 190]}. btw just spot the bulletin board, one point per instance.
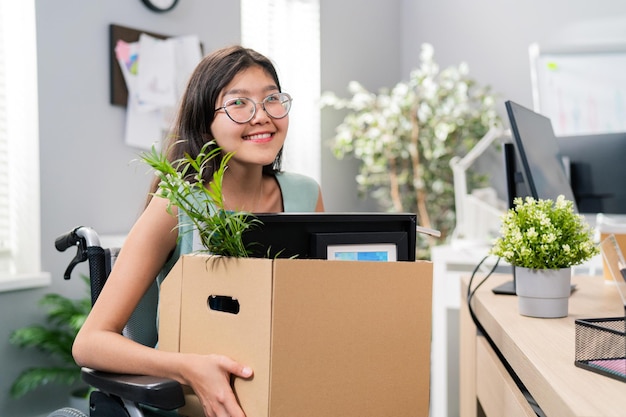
{"type": "Point", "coordinates": [119, 92]}
{"type": "Point", "coordinates": [581, 90]}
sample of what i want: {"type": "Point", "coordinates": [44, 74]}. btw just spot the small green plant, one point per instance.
{"type": "Point", "coordinates": [182, 184]}
{"type": "Point", "coordinates": [544, 234]}
{"type": "Point", "coordinates": [64, 319]}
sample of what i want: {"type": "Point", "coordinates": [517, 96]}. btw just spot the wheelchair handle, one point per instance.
{"type": "Point", "coordinates": [88, 249]}
{"type": "Point", "coordinates": [85, 235]}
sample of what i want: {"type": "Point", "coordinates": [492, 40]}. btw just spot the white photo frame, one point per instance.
{"type": "Point", "coordinates": [376, 252]}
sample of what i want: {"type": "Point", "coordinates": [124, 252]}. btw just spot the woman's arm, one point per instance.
{"type": "Point", "coordinates": [100, 344]}
{"type": "Point", "coordinates": [146, 248]}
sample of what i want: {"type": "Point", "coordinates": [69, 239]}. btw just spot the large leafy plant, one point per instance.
{"type": "Point", "coordinates": [182, 184]}
{"type": "Point", "coordinates": [405, 138]}
{"type": "Point", "coordinates": [54, 338]}
{"type": "Point", "coordinates": [544, 234]}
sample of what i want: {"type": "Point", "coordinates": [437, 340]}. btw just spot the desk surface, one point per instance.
{"type": "Point", "coordinates": [541, 351]}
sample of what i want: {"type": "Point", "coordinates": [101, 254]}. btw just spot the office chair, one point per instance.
{"type": "Point", "coordinates": [117, 395]}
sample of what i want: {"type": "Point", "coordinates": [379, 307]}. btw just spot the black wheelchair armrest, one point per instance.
{"type": "Point", "coordinates": [161, 393]}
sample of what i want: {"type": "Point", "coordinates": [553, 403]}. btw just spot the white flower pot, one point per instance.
{"type": "Point", "coordinates": [543, 292]}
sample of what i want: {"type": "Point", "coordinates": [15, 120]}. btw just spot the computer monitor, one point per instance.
{"type": "Point", "coordinates": [534, 164]}
{"type": "Point", "coordinates": [354, 236]}
{"type": "Point", "coordinates": [542, 162]}
{"type": "Point", "coordinates": [597, 171]}
{"type": "Point", "coordinates": [595, 164]}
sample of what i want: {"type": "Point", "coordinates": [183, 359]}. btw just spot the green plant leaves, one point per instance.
{"type": "Point", "coordinates": [66, 312]}
{"type": "Point", "coordinates": [182, 182]}
{"type": "Point", "coordinates": [51, 341]}
{"type": "Point", "coordinates": [34, 378]}
{"type": "Point", "coordinates": [64, 319]}
{"type": "Point", "coordinates": [544, 234]}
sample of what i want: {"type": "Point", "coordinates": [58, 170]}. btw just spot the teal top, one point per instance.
{"type": "Point", "coordinates": [299, 193]}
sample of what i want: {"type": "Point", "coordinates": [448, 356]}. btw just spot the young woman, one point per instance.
{"type": "Point", "coordinates": [233, 97]}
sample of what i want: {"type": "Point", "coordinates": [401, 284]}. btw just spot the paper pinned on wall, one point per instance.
{"type": "Point", "coordinates": [144, 127]}
{"type": "Point", "coordinates": [155, 72]}
{"type": "Point", "coordinates": [188, 54]}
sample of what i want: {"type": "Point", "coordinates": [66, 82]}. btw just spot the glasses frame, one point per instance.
{"type": "Point", "coordinates": [262, 103]}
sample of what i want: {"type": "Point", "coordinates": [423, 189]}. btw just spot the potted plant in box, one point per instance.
{"type": "Point", "coordinates": [543, 239]}
{"type": "Point", "coordinates": [182, 184]}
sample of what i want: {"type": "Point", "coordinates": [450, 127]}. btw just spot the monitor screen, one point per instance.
{"type": "Point", "coordinates": [353, 236]}
{"type": "Point", "coordinates": [542, 163]}
{"type": "Point", "coordinates": [597, 169]}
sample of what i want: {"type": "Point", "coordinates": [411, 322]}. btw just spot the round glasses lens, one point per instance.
{"type": "Point", "coordinates": [240, 110]}
{"type": "Point", "coordinates": [277, 105]}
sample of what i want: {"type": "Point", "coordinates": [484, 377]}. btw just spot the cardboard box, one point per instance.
{"type": "Point", "coordinates": [325, 338]}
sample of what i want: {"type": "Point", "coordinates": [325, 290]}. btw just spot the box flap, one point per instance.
{"type": "Point", "coordinates": [347, 334]}
{"type": "Point", "coordinates": [244, 336]}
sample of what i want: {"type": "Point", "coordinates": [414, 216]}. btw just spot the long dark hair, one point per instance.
{"type": "Point", "coordinates": [192, 128]}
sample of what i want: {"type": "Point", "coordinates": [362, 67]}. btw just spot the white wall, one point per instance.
{"type": "Point", "coordinates": [358, 43]}
{"type": "Point", "coordinates": [493, 36]}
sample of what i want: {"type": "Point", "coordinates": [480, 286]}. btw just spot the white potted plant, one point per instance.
{"type": "Point", "coordinates": [543, 239]}
{"type": "Point", "coordinates": [406, 136]}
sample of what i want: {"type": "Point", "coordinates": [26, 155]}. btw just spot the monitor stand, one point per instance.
{"type": "Point", "coordinates": [508, 288]}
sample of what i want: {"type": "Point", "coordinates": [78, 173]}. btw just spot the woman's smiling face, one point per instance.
{"type": "Point", "coordinates": [258, 141]}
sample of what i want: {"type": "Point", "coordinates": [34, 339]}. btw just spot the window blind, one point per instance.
{"type": "Point", "coordinates": [20, 232]}
{"type": "Point", "coordinates": [288, 32]}
{"type": "Point", "coordinates": [4, 156]}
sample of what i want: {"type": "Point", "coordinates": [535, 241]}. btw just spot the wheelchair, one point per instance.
{"type": "Point", "coordinates": [118, 395]}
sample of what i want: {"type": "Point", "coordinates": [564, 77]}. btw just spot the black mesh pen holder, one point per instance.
{"type": "Point", "coordinates": [601, 346]}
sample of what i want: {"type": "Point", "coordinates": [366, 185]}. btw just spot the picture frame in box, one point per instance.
{"type": "Point", "coordinates": [307, 235]}
{"type": "Point", "coordinates": [381, 246]}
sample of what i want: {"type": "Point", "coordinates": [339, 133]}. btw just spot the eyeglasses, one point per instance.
{"type": "Point", "coordinates": [242, 109]}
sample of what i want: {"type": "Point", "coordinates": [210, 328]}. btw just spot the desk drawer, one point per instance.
{"type": "Point", "coordinates": [497, 392]}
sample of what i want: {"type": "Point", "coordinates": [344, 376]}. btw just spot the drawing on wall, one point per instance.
{"type": "Point", "coordinates": [581, 92]}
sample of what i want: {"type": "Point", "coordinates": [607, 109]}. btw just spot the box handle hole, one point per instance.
{"type": "Point", "coordinates": [224, 304]}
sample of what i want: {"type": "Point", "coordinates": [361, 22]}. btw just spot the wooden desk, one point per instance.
{"type": "Point", "coordinates": [539, 351]}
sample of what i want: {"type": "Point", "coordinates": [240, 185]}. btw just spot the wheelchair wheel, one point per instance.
{"type": "Point", "coordinates": [67, 412]}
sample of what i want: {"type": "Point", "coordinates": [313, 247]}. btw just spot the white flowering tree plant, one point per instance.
{"type": "Point", "coordinates": [405, 138]}
{"type": "Point", "coordinates": [544, 234]}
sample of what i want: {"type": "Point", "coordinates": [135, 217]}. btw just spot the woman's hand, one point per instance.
{"type": "Point", "coordinates": [209, 376]}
